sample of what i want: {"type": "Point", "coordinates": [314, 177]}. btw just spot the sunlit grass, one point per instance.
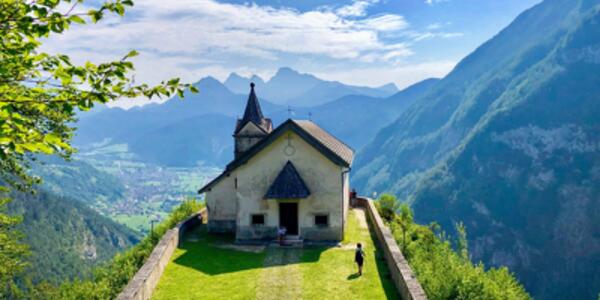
{"type": "Point", "coordinates": [202, 270]}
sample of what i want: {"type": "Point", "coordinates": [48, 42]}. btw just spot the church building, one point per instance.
{"type": "Point", "coordinates": [294, 176]}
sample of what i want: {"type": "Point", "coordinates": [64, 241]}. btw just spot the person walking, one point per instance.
{"type": "Point", "coordinates": [359, 258]}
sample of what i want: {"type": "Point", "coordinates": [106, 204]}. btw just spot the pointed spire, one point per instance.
{"type": "Point", "coordinates": [253, 113]}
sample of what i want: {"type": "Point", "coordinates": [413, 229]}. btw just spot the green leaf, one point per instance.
{"type": "Point", "coordinates": [76, 19]}
{"type": "Point", "coordinates": [43, 122]}
{"type": "Point", "coordinates": [96, 15]}
{"type": "Point", "coordinates": [132, 53]}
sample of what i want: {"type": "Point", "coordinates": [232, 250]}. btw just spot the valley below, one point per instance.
{"type": "Point", "coordinates": [122, 187]}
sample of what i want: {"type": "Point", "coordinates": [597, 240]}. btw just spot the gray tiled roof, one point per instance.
{"type": "Point", "coordinates": [328, 140]}
{"type": "Point", "coordinates": [323, 141]}
{"type": "Point", "coordinates": [288, 185]}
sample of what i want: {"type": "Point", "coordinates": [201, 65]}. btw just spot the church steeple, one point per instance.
{"type": "Point", "coordinates": [253, 113]}
{"type": "Point", "coordinates": [247, 135]}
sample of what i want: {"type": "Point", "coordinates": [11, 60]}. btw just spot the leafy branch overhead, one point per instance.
{"type": "Point", "coordinates": [40, 93]}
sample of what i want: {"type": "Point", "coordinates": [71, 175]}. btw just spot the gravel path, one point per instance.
{"type": "Point", "coordinates": [362, 218]}
{"type": "Point", "coordinates": [281, 277]}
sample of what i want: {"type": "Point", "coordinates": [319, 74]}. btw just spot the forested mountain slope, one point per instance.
{"type": "Point", "coordinates": [509, 143]}
{"type": "Point", "coordinates": [66, 238]}
{"type": "Point", "coordinates": [78, 180]}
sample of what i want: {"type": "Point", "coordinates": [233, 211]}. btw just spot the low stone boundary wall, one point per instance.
{"type": "Point", "coordinates": [141, 286]}
{"type": "Point", "coordinates": [402, 275]}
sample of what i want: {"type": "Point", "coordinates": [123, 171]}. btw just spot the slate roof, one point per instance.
{"type": "Point", "coordinates": [332, 148]}
{"type": "Point", "coordinates": [328, 140]}
{"type": "Point", "coordinates": [253, 114]}
{"type": "Point", "coordinates": [288, 185]}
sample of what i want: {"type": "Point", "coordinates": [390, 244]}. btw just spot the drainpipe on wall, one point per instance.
{"type": "Point", "coordinates": [343, 212]}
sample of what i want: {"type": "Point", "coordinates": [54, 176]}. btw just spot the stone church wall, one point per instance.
{"type": "Point", "coordinates": [256, 233]}
{"type": "Point", "coordinates": [222, 206]}
{"type": "Point", "coordinates": [322, 177]}
{"type": "Point", "coordinates": [248, 137]}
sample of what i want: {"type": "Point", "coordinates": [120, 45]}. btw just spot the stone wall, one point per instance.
{"type": "Point", "coordinates": [221, 226]}
{"type": "Point", "coordinates": [142, 285]}
{"type": "Point", "coordinates": [402, 275]}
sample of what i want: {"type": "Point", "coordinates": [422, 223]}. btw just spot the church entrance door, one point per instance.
{"type": "Point", "coordinates": [288, 217]}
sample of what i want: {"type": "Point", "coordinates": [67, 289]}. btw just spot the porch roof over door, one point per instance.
{"type": "Point", "coordinates": [288, 185]}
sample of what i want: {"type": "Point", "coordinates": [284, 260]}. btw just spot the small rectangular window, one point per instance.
{"type": "Point", "coordinates": [258, 220]}
{"type": "Point", "coordinates": [322, 220]}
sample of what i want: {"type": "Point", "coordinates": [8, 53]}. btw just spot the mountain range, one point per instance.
{"type": "Point", "coordinates": [509, 144]}
{"type": "Point", "coordinates": [290, 87]}
{"type": "Point", "coordinates": [198, 128]}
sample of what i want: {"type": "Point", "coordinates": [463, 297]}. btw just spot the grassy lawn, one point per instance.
{"type": "Point", "coordinates": [138, 222]}
{"type": "Point", "coordinates": [205, 267]}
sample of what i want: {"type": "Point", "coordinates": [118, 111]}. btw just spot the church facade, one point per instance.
{"type": "Point", "coordinates": [294, 176]}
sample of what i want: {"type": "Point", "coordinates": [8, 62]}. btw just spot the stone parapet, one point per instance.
{"type": "Point", "coordinates": [141, 286]}
{"type": "Point", "coordinates": [404, 279]}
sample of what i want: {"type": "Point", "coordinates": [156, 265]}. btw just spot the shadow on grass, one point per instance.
{"type": "Point", "coordinates": [203, 254]}
{"type": "Point", "coordinates": [206, 256]}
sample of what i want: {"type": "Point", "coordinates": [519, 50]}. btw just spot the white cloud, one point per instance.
{"type": "Point", "coordinates": [383, 23]}
{"type": "Point", "coordinates": [421, 36]}
{"type": "Point", "coordinates": [196, 38]}
{"type": "Point", "coordinates": [435, 26]}
{"type": "Point", "coordinates": [206, 28]}
{"type": "Point", "coordinates": [432, 2]}
{"type": "Point", "coordinates": [357, 9]}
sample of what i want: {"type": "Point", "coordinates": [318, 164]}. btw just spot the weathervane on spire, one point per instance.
{"type": "Point", "coordinates": [290, 112]}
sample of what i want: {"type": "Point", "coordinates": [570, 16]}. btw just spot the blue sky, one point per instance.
{"type": "Point", "coordinates": [361, 42]}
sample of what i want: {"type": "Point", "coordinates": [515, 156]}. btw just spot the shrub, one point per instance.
{"type": "Point", "coordinates": [446, 273]}
{"type": "Point", "coordinates": [387, 205]}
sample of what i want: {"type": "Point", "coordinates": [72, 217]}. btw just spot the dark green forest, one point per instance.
{"type": "Point", "coordinates": [66, 238]}
{"type": "Point", "coordinates": [78, 180]}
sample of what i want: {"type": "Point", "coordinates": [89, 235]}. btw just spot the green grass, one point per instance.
{"type": "Point", "coordinates": [333, 273]}
{"type": "Point", "coordinates": [139, 222]}
{"type": "Point", "coordinates": [201, 269]}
